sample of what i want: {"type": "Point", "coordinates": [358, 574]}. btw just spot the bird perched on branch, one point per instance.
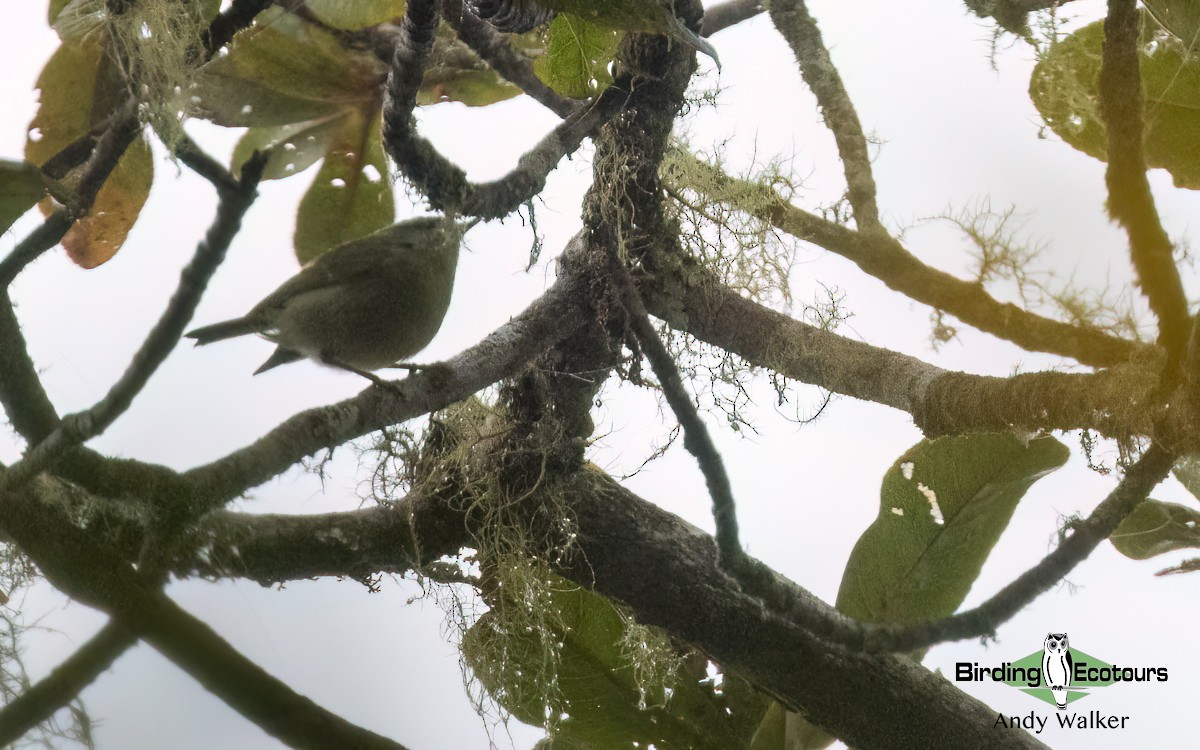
{"type": "Point", "coordinates": [366, 304]}
{"type": "Point", "coordinates": [649, 16]}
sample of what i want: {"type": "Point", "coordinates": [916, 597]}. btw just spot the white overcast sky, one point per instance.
{"type": "Point", "coordinates": [954, 131]}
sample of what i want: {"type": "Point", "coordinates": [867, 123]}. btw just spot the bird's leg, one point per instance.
{"type": "Point", "coordinates": [364, 373]}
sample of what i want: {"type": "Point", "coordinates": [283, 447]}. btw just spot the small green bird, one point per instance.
{"type": "Point", "coordinates": [366, 304]}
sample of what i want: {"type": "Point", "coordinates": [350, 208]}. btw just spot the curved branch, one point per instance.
{"type": "Point", "coordinates": [441, 181]}
{"type": "Point", "coordinates": [729, 13]}
{"type": "Point", "coordinates": [110, 147]}
{"type": "Point", "coordinates": [793, 21]}
{"type": "Point", "coordinates": [72, 560]}
{"type": "Point", "coordinates": [886, 259]}
{"type": "Point", "coordinates": [75, 429]}
{"type": "Point", "coordinates": [696, 439]}
{"type": "Point", "coordinates": [553, 317]}
{"type": "Point", "coordinates": [40, 701]}
{"type": "Point", "coordinates": [1130, 201]}
{"type": "Point", "coordinates": [1083, 538]}
{"type": "Point", "coordinates": [494, 49]}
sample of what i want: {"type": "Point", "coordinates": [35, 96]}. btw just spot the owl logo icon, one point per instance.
{"type": "Point", "coordinates": [1057, 667]}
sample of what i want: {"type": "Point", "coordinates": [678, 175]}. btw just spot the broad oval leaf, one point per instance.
{"type": "Point", "coordinates": [79, 89]}
{"type": "Point", "coordinates": [1156, 527]}
{"type": "Point", "coordinates": [943, 506]}
{"type": "Point", "coordinates": [454, 73]}
{"type": "Point", "coordinates": [578, 54]}
{"type": "Point", "coordinates": [351, 195]}
{"type": "Point", "coordinates": [1063, 88]}
{"type": "Point", "coordinates": [1180, 17]}
{"type": "Point", "coordinates": [285, 70]}
{"type": "Point", "coordinates": [598, 703]}
{"type": "Point", "coordinates": [294, 148]}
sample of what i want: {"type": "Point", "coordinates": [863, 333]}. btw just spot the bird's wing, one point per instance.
{"type": "Point", "coordinates": [353, 262]}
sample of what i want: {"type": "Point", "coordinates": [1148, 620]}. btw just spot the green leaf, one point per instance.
{"type": "Point", "coordinates": [454, 73]}
{"type": "Point", "coordinates": [285, 70]}
{"type": "Point", "coordinates": [578, 54]}
{"type": "Point", "coordinates": [651, 16]}
{"type": "Point", "coordinates": [782, 729]}
{"type": "Point", "coordinates": [1187, 471]}
{"type": "Point", "coordinates": [907, 566]}
{"type": "Point", "coordinates": [79, 89]}
{"type": "Point", "coordinates": [355, 14]}
{"type": "Point", "coordinates": [21, 187]}
{"type": "Point", "coordinates": [294, 147]}
{"type": "Point", "coordinates": [1180, 17]}
{"type": "Point", "coordinates": [1156, 527]}
{"type": "Point", "coordinates": [597, 701]}
{"type": "Point", "coordinates": [1063, 88]}
{"type": "Point", "coordinates": [351, 195]}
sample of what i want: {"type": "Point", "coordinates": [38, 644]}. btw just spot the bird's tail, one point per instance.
{"type": "Point", "coordinates": [224, 330]}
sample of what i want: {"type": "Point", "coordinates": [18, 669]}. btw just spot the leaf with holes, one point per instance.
{"type": "Point", "coordinates": [285, 70]}
{"type": "Point", "coordinates": [294, 147]}
{"type": "Point", "coordinates": [943, 506]}
{"type": "Point", "coordinates": [351, 195]}
{"type": "Point", "coordinates": [1063, 88]}
{"type": "Point", "coordinates": [1156, 527]}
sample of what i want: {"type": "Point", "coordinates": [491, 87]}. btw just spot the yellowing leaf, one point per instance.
{"type": "Point", "coordinates": [79, 90]}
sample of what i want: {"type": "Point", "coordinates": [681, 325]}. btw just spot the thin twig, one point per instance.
{"type": "Point", "coordinates": [1082, 539]}
{"type": "Point", "coordinates": [224, 27]}
{"type": "Point", "coordinates": [793, 21]}
{"type": "Point", "coordinates": [442, 182]}
{"type": "Point", "coordinates": [1130, 201]}
{"type": "Point", "coordinates": [77, 564]}
{"type": "Point", "coordinates": [41, 700]}
{"type": "Point", "coordinates": [696, 439]}
{"type": "Point", "coordinates": [494, 48]}
{"type": "Point", "coordinates": [111, 145]}
{"type": "Point", "coordinates": [75, 429]}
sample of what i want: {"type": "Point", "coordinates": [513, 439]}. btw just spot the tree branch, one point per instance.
{"type": "Point", "coordinates": [729, 13]}
{"type": "Point", "coordinates": [620, 537]}
{"type": "Point", "coordinates": [76, 564]}
{"type": "Point", "coordinates": [239, 15]}
{"type": "Point", "coordinates": [75, 429]}
{"type": "Point", "coordinates": [1116, 402]}
{"type": "Point", "coordinates": [696, 439]}
{"type": "Point", "coordinates": [441, 181]}
{"type": "Point", "coordinates": [1083, 538]}
{"type": "Point", "coordinates": [494, 49]}
{"type": "Point", "coordinates": [1130, 201]}
{"type": "Point", "coordinates": [887, 260]}
{"type": "Point", "coordinates": [110, 147]}
{"type": "Point", "coordinates": [793, 21]}
{"type": "Point", "coordinates": [40, 701]}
